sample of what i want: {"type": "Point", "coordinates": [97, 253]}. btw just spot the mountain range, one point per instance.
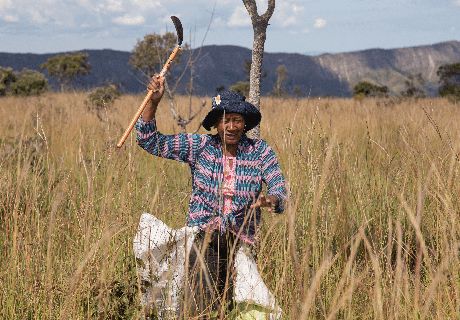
{"type": "Point", "coordinates": [221, 66]}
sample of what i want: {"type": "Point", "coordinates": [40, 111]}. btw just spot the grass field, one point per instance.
{"type": "Point", "coordinates": [371, 231]}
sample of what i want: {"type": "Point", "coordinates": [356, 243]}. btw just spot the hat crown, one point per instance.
{"type": "Point", "coordinates": [228, 95]}
{"type": "Point", "coordinates": [226, 98]}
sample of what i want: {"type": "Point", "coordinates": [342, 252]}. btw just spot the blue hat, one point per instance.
{"type": "Point", "coordinates": [232, 102]}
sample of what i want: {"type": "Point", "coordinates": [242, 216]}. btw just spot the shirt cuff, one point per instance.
{"type": "Point", "coordinates": [279, 208]}
{"type": "Point", "coordinates": [146, 126]}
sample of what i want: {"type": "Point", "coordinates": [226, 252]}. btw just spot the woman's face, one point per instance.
{"type": "Point", "coordinates": [230, 128]}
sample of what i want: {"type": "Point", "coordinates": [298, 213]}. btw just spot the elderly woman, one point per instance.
{"type": "Point", "coordinates": [227, 174]}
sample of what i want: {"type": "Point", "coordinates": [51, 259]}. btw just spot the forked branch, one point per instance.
{"type": "Point", "coordinates": [251, 7]}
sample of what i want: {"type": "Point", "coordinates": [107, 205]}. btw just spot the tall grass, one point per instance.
{"type": "Point", "coordinates": [371, 229]}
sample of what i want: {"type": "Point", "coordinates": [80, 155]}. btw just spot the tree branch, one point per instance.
{"type": "Point", "coordinates": [270, 9]}
{"type": "Point", "coordinates": [251, 8]}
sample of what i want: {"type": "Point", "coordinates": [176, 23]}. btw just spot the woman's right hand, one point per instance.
{"type": "Point", "coordinates": [157, 85]}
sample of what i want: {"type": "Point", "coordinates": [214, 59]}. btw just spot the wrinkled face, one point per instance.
{"type": "Point", "coordinates": [230, 128]}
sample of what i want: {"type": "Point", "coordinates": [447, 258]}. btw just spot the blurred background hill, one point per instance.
{"type": "Point", "coordinates": [219, 66]}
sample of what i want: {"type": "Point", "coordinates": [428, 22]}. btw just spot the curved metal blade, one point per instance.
{"type": "Point", "coordinates": [179, 29]}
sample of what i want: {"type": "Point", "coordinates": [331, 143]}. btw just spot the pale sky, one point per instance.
{"type": "Point", "coordinates": [301, 26]}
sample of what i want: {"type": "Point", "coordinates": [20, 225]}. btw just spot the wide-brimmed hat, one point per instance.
{"type": "Point", "coordinates": [232, 102]}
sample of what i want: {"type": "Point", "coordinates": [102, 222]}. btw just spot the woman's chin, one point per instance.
{"type": "Point", "coordinates": [231, 141]}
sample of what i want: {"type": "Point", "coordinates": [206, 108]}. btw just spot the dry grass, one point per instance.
{"type": "Point", "coordinates": [371, 232]}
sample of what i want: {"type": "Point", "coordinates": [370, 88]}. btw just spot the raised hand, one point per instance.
{"type": "Point", "coordinates": [157, 85]}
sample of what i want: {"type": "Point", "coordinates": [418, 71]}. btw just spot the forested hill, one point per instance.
{"type": "Point", "coordinates": [222, 66]}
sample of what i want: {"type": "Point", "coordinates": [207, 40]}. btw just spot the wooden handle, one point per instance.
{"type": "Point", "coordinates": [134, 120]}
{"type": "Point", "coordinates": [147, 98]}
{"type": "Point", "coordinates": [172, 56]}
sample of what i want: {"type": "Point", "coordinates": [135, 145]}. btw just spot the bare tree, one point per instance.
{"type": "Point", "coordinates": [281, 75]}
{"type": "Point", "coordinates": [259, 25]}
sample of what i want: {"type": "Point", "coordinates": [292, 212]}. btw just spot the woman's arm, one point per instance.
{"type": "Point", "coordinates": [181, 147]}
{"type": "Point", "coordinates": [272, 176]}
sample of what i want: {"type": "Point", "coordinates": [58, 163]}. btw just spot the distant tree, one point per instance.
{"type": "Point", "coordinates": [449, 81]}
{"type": "Point", "coordinates": [102, 99]}
{"type": "Point", "coordinates": [368, 89]}
{"type": "Point", "coordinates": [149, 56]}
{"type": "Point", "coordinates": [247, 68]}
{"type": "Point", "coordinates": [414, 87]}
{"type": "Point", "coordinates": [7, 77]}
{"type": "Point", "coordinates": [220, 88]}
{"type": "Point", "coordinates": [66, 67]}
{"type": "Point", "coordinates": [150, 53]}
{"type": "Point", "coordinates": [281, 75]}
{"type": "Point", "coordinates": [29, 82]}
{"type": "Point", "coordinates": [297, 91]}
{"type": "Point", "coordinates": [242, 87]}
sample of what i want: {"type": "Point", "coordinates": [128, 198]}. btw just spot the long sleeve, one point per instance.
{"type": "Point", "coordinates": [181, 147]}
{"type": "Point", "coordinates": [272, 176]}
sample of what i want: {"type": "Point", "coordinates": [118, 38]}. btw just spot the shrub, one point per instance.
{"type": "Point", "coordinates": [28, 83]}
{"type": "Point", "coordinates": [241, 87]}
{"type": "Point", "coordinates": [449, 80]}
{"type": "Point", "coordinates": [102, 98]}
{"type": "Point", "coordinates": [7, 77]}
{"type": "Point", "coordinates": [367, 89]}
{"type": "Point", "coordinates": [414, 87]}
{"type": "Point", "coordinates": [24, 83]}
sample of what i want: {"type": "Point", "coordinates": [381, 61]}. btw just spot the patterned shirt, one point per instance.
{"type": "Point", "coordinates": [255, 162]}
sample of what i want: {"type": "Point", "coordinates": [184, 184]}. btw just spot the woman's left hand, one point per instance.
{"type": "Point", "coordinates": [263, 201]}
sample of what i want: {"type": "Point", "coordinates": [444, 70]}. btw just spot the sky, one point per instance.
{"type": "Point", "coordinates": [297, 26]}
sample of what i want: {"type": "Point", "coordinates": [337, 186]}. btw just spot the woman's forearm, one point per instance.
{"type": "Point", "coordinates": [149, 111]}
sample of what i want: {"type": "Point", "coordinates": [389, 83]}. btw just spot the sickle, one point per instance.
{"type": "Point", "coordinates": [167, 65]}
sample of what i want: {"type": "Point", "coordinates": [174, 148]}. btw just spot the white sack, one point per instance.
{"type": "Point", "coordinates": [161, 254]}
{"type": "Point", "coordinates": [249, 286]}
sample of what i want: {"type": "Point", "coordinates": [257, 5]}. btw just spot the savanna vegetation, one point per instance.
{"type": "Point", "coordinates": [23, 83]}
{"type": "Point", "coordinates": [371, 231]}
{"type": "Point", "coordinates": [67, 67]}
{"type": "Point", "coordinates": [449, 79]}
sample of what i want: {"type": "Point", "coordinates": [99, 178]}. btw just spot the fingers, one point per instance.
{"type": "Point", "coordinates": [255, 205]}
{"type": "Point", "coordinates": [263, 201]}
{"type": "Point", "coordinates": [156, 83]}
{"type": "Point", "coordinates": [269, 205]}
{"type": "Point", "coordinates": [157, 87]}
{"type": "Point", "coordinates": [273, 203]}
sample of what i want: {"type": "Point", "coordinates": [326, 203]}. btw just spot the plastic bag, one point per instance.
{"type": "Point", "coordinates": [161, 253]}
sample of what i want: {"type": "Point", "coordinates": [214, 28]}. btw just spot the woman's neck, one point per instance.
{"type": "Point", "coordinates": [230, 150]}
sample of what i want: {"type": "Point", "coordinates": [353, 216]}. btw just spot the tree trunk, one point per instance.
{"type": "Point", "coordinates": [259, 26]}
